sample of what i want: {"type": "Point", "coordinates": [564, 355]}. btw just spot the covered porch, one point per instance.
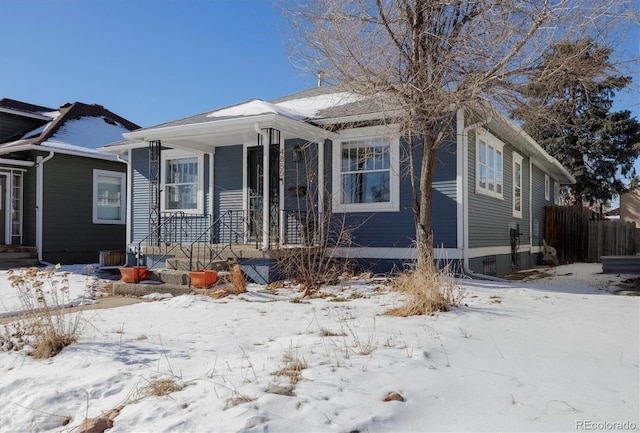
{"type": "Point", "coordinates": [249, 177]}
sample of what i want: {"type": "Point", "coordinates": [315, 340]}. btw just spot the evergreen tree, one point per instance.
{"type": "Point", "coordinates": [567, 111]}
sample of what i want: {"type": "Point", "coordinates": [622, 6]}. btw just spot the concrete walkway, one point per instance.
{"type": "Point", "coordinates": [101, 303]}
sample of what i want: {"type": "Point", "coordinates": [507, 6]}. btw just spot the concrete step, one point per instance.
{"type": "Point", "coordinates": [18, 263]}
{"type": "Point", "coordinates": [182, 264]}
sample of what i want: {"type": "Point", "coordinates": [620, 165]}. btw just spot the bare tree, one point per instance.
{"type": "Point", "coordinates": [422, 60]}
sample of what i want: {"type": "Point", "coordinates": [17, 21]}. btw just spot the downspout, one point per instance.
{"type": "Point", "coordinates": [40, 202]}
{"type": "Point", "coordinates": [265, 186]}
{"type": "Point", "coordinates": [464, 133]}
{"type": "Point", "coordinates": [321, 189]}
{"type": "Point", "coordinates": [129, 204]}
{"type": "Point", "coordinates": [530, 207]}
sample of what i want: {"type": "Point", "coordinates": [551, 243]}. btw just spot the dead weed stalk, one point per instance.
{"type": "Point", "coordinates": [428, 289]}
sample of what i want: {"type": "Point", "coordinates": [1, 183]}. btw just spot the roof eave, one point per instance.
{"type": "Point", "coordinates": [226, 126]}
{"type": "Point", "coordinates": [45, 148]}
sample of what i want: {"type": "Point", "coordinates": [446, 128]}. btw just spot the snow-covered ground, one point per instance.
{"type": "Point", "coordinates": [559, 353]}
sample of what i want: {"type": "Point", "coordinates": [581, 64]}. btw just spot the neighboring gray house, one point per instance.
{"type": "Point", "coordinates": [491, 183]}
{"type": "Point", "coordinates": [59, 197]}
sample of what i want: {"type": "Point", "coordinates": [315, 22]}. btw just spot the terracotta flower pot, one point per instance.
{"type": "Point", "coordinates": [202, 279]}
{"type": "Point", "coordinates": [133, 274]}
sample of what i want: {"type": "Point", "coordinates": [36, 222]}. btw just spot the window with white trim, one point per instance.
{"type": "Point", "coordinates": [182, 181]}
{"type": "Point", "coordinates": [489, 164]}
{"type": "Point", "coordinates": [517, 185]}
{"type": "Point", "coordinates": [365, 174]}
{"type": "Point", "coordinates": [547, 187]}
{"type": "Point", "coordinates": [556, 192]}
{"type": "Point", "coordinates": [109, 192]}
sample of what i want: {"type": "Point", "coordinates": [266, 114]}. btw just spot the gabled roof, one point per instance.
{"type": "Point", "coordinates": [73, 128]}
{"type": "Point", "coordinates": [318, 109]}
{"type": "Point", "coordinates": [12, 106]}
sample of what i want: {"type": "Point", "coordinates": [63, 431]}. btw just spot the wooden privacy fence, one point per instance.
{"type": "Point", "coordinates": [578, 236]}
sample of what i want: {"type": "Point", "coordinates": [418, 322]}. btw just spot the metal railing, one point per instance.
{"type": "Point", "coordinates": [232, 227]}
{"type": "Point", "coordinates": [174, 231]}
{"type": "Point", "coordinates": [205, 242]}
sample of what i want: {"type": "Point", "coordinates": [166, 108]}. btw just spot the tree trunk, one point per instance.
{"type": "Point", "coordinates": [424, 229]}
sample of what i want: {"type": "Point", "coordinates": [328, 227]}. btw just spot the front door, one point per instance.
{"type": "Point", "coordinates": [256, 199]}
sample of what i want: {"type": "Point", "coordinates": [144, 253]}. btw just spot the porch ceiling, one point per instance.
{"type": "Point", "coordinates": [226, 132]}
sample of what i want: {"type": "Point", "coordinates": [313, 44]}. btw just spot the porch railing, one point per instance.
{"type": "Point", "coordinates": [175, 230]}
{"type": "Point", "coordinates": [205, 242]}
{"type": "Point", "coordinates": [232, 227]}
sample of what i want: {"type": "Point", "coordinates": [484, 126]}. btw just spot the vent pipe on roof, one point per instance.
{"type": "Point", "coordinates": [320, 76]}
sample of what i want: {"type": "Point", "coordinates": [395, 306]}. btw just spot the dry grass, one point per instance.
{"type": "Point", "coordinates": [237, 279]}
{"type": "Point", "coordinates": [428, 289]}
{"type": "Point", "coordinates": [293, 367]}
{"type": "Point", "coordinates": [161, 387]}
{"type": "Point", "coordinates": [44, 326]}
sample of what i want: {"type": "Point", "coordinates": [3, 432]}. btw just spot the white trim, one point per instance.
{"type": "Point", "coordinates": [491, 142]}
{"type": "Point", "coordinates": [6, 206]}
{"type": "Point", "coordinates": [182, 154]}
{"type": "Point", "coordinates": [517, 159]}
{"type": "Point", "coordinates": [52, 149]}
{"type": "Point", "coordinates": [390, 132]}
{"type": "Point", "coordinates": [382, 253]}
{"type": "Point", "coordinates": [123, 196]}
{"type": "Point", "coordinates": [27, 114]}
{"type": "Point", "coordinates": [17, 162]}
{"type": "Point", "coordinates": [409, 253]}
{"type": "Point", "coordinates": [495, 251]}
{"type": "Point", "coordinates": [129, 209]}
{"type": "Point", "coordinates": [547, 187]}
{"type": "Point", "coordinates": [40, 161]}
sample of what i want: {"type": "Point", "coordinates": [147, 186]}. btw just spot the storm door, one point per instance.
{"type": "Point", "coordinates": [256, 199]}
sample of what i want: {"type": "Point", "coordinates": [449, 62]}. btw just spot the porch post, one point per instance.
{"type": "Point", "coordinates": [321, 188]}
{"type": "Point", "coordinates": [265, 191]}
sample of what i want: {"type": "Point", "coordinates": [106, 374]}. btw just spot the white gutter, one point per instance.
{"type": "Point", "coordinates": [463, 132]}
{"type": "Point", "coordinates": [17, 162]}
{"type": "Point", "coordinates": [265, 186]}
{"type": "Point", "coordinates": [40, 201]}
{"type": "Point", "coordinates": [51, 149]}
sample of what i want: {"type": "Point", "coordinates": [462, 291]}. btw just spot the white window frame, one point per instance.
{"type": "Point", "coordinates": [122, 177]}
{"type": "Point", "coordinates": [494, 147]}
{"type": "Point", "coordinates": [393, 205]}
{"type": "Point", "coordinates": [182, 154]}
{"type": "Point", "coordinates": [547, 187]}
{"type": "Point", "coordinates": [518, 184]}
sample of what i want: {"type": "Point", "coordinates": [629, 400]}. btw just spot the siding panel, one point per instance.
{"type": "Point", "coordinates": [69, 235]}
{"type": "Point", "coordinates": [397, 229]}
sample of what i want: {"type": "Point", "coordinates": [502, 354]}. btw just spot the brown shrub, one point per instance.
{"type": "Point", "coordinates": [428, 289]}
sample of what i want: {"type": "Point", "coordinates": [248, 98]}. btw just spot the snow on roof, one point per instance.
{"type": "Point", "coordinates": [253, 108]}
{"type": "Point", "coordinates": [310, 107]}
{"type": "Point", "coordinates": [298, 109]}
{"type": "Point", "coordinates": [87, 132]}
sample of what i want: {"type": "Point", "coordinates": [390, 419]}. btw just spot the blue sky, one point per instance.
{"type": "Point", "coordinates": [151, 61]}
{"type": "Point", "coordinates": [148, 61]}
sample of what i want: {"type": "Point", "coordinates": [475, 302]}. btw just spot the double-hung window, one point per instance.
{"type": "Point", "coordinates": [365, 175]}
{"type": "Point", "coordinates": [109, 189]}
{"type": "Point", "coordinates": [182, 181]}
{"type": "Point", "coordinates": [489, 158]}
{"type": "Point", "coordinates": [517, 185]}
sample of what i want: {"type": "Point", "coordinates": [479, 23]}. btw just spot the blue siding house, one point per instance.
{"type": "Point", "coordinates": [268, 174]}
